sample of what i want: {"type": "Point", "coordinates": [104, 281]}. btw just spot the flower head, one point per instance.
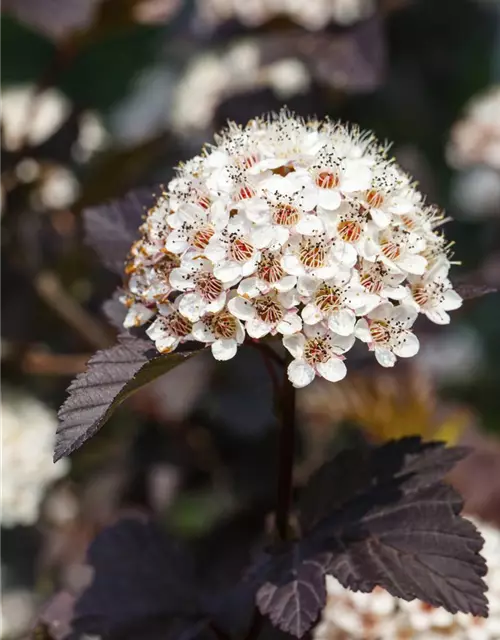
{"type": "Point", "coordinates": [295, 228]}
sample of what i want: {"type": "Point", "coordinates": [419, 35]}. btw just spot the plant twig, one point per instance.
{"type": "Point", "coordinates": [40, 362]}
{"type": "Point", "coordinates": [286, 456]}
{"type": "Point", "coordinates": [51, 290]}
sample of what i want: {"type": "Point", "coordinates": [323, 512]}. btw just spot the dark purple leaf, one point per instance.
{"type": "Point", "coordinates": [112, 228]}
{"type": "Point", "coordinates": [383, 516]}
{"type": "Point", "coordinates": [335, 484]}
{"type": "Point", "coordinates": [55, 18]}
{"type": "Point", "coordinates": [295, 594]}
{"type": "Point", "coordinates": [112, 375]}
{"type": "Point", "coordinates": [166, 628]}
{"type": "Point", "coordinates": [138, 575]}
{"type": "Point", "coordinates": [352, 60]}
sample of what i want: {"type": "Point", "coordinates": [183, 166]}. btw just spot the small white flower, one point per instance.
{"type": "Point", "coordinates": [387, 332]}
{"type": "Point", "coordinates": [333, 176]}
{"type": "Point", "coordinates": [380, 280]}
{"type": "Point", "coordinates": [316, 352]}
{"type": "Point", "coordinates": [137, 315]}
{"type": "Point", "coordinates": [170, 328]}
{"type": "Point", "coordinates": [269, 275]}
{"type": "Point", "coordinates": [433, 294]}
{"type": "Point", "coordinates": [193, 225]}
{"type": "Point", "coordinates": [205, 293]}
{"type": "Point", "coordinates": [310, 256]}
{"type": "Point", "coordinates": [270, 313]}
{"type": "Point", "coordinates": [333, 302]}
{"type": "Point", "coordinates": [233, 251]}
{"type": "Point", "coordinates": [402, 250]}
{"type": "Point", "coordinates": [223, 331]}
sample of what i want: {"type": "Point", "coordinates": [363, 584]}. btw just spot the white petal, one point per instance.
{"type": "Point", "coordinates": [295, 344]}
{"type": "Point", "coordinates": [217, 304]}
{"type": "Point", "coordinates": [167, 344]}
{"type": "Point", "coordinates": [224, 349]}
{"type": "Point", "coordinates": [176, 242]}
{"type": "Point", "coordinates": [241, 308]}
{"type": "Point", "coordinates": [356, 177]}
{"type": "Point", "coordinates": [289, 299]}
{"type": "Point", "coordinates": [256, 328]}
{"type": "Point", "coordinates": [157, 330]}
{"type": "Point", "coordinates": [342, 322]}
{"type": "Point", "coordinates": [333, 370]}
{"type": "Point", "coordinates": [407, 346]}
{"type": "Point", "coordinates": [405, 314]}
{"type": "Point", "coordinates": [385, 357]}
{"type": "Point", "coordinates": [362, 331]}
{"type": "Point", "coordinates": [325, 273]}
{"type": "Point", "coordinates": [137, 315]}
{"type": "Point", "coordinates": [192, 306]}
{"type": "Point", "coordinates": [345, 253]}
{"type": "Point", "coordinates": [310, 225]}
{"type": "Point", "coordinates": [439, 316]}
{"type": "Point", "coordinates": [286, 283]}
{"type": "Point", "coordinates": [384, 311]}
{"type": "Point", "coordinates": [290, 324]}
{"type": "Point", "coordinates": [300, 373]}
{"type": "Point", "coordinates": [311, 314]}
{"type": "Point", "coordinates": [215, 251]}
{"type": "Point", "coordinates": [329, 199]}
{"type": "Point", "coordinates": [396, 293]}
{"type": "Point", "coordinates": [315, 330]}
{"type": "Point", "coordinates": [219, 214]}
{"type": "Point", "coordinates": [279, 237]}
{"type": "Point", "coordinates": [342, 344]}
{"type": "Point", "coordinates": [292, 265]}
{"type": "Point", "coordinates": [262, 236]}
{"type": "Point", "coordinates": [256, 210]}
{"type": "Point", "coordinates": [306, 285]}
{"type": "Point", "coordinates": [451, 300]}
{"type": "Point", "coordinates": [181, 279]}
{"type": "Point", "coordinates": [249, 287]}
{"type": "Point", "coordinates": [309, 198]}
{"type": "Point", "coordinates": [412, 263]}
{"type": "Point", "coordinates": [240, 332]}
{"type": "Point", "coordinates": [380, 218]}
{"type": "Point", "coordinates": [249, 267]}
{"type": "Point", "coordinates": [202, 333]}
{"type": "Point", "coordinates": [359, 299]}
{"type": "Point", "coordinates": [227, 271]}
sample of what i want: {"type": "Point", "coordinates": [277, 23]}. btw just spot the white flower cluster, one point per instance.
{"type": "Point", "coordinates": [475, 139]}
{"type": "Point", "coordinates": [380, 616]}
{"type": "Point", "coordinates": [28, 433]}
{"type": "Point", "coordinates": [474, 149]}
{"type": "Point", "coordinates": [304, 229]}
{"type": "Point", "coordinates": [216, 76]}
{"type": "Point", "coordinates": [313, 14]}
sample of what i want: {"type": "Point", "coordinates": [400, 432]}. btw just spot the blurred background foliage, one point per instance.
{"type": "Point", "coordinates": [102, 96]}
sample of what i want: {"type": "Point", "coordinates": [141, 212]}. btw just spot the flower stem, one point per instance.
{"type": "Point", "coordinates": [286, 456]}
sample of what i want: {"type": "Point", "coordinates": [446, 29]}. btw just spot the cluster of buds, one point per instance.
{"type": "Point", "coordinates": [302, 229]}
